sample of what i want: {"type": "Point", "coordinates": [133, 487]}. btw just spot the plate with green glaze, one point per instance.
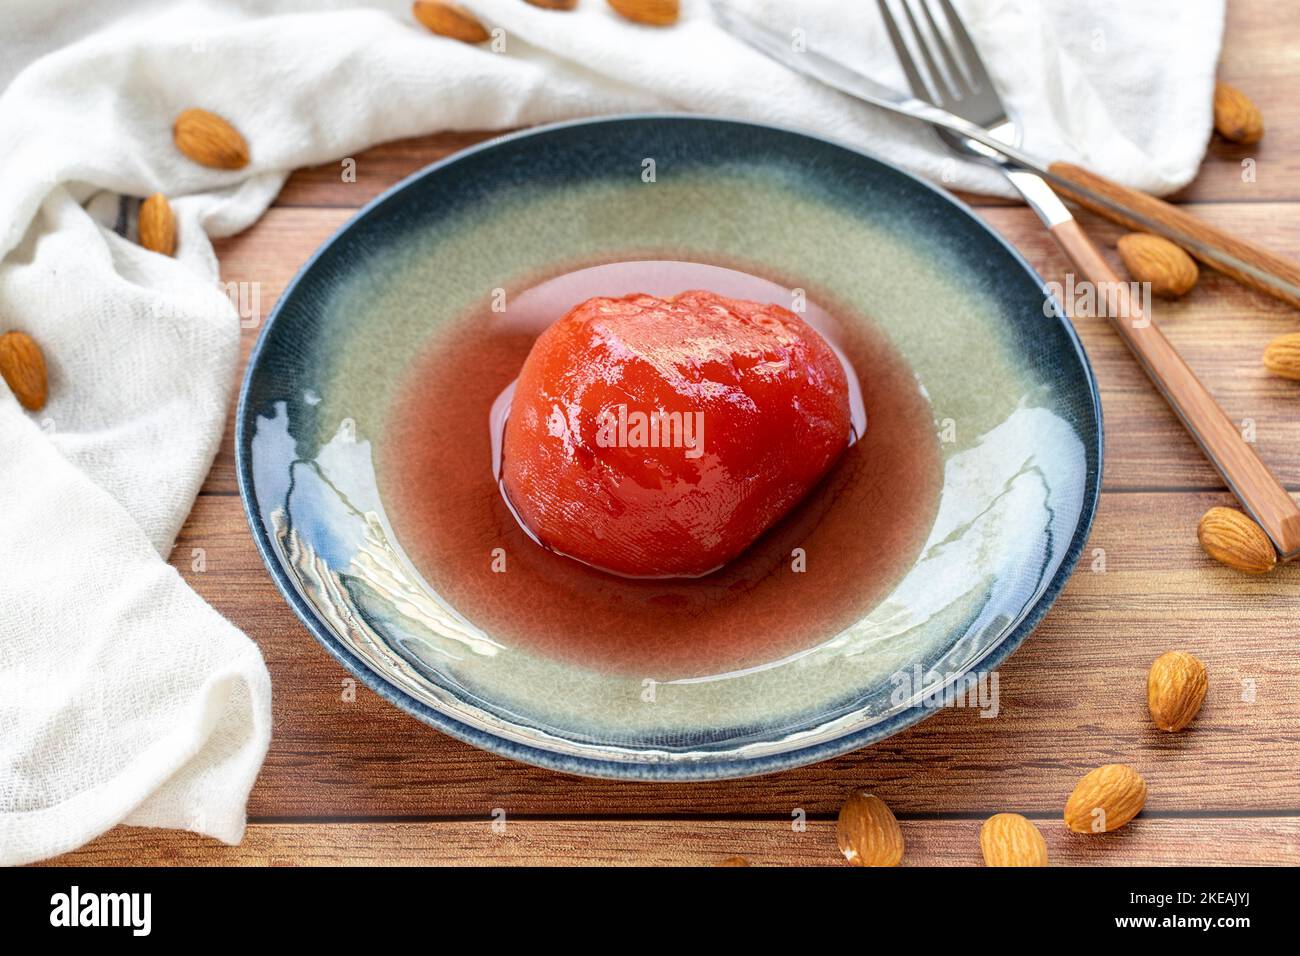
{"type": "Point", "coordinates": [368, 452]}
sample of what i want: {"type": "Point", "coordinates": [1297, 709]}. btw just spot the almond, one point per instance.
{"type": "Point", "coordinates": [1155, 259]}
{"type": "Point", "coordinates": [1008, 839]}
{"type": "Point", "coordinates": [1232, 538]}
{"type": "Point", "coordinates": [22, 366]}
{"type": "Point", "coordinates": [733, 860]}
{"type": "Point", "coordinates": [867, 832]}
{"type": "Point", "coordinates": [449, 20]}
{"type": "Point", "coordinates": [1282, 356]}
{"type": "Point", "coordinates": [157, 225]}
{"type": "Point", "coordinates": [1105, 799]}
{"type": "Point", "coordinates": [1236, 117]}
{"type": "Point", "coordinates": [567, 5]}
{"type": "Point", "coordinates": [655, 13]}
{"type": "Point", "coordinates": [209, 140]}
{"type": "Point", "coordinates": [1176, 689]}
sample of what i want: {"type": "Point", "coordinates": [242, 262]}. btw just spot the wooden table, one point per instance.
{"type": "Point", "coordinates": [361, 782]}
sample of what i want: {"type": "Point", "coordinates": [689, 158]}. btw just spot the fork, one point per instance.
{"type": "Point", "coordinates": [962, 86]}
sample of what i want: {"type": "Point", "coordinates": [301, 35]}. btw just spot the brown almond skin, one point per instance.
{"type": "Point", "coordinates": [22, 366]}
{"type": "Point", "coordinates": [1008, 839]}
{"type": "Point", "coordinates": [1232, 538]}
{"type": "Point", "coordinates": [1176, 686]}
{"type": "Point", "coordinates": [1282, 356]}
{"type": "Point", "coordinates": [1115, 789]}
{"type": "Point", "coordinates": [158, 225]}
{"type": "Point", "coordinates": [1236, 117]}
{"type": "Point", "coordinates": [655, 13]}
{"type": "Point", "coordinates": [1150, 258]}
{"type": "Point", "coordinates": [566, 5]}
{"type": "Point", "coordinates": [867, 831]}
{"type": "Point", "coordinates": [449, 20]}
{"type": "Point", "coordinates": [209, 140]}
{"type": "Point", "coordinates": [734, 861]}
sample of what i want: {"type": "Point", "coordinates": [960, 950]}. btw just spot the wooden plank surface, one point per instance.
{"type": "Point", "coordinates": [1227, 790]}
{"type": "Point", "coordinates": [775, 842]}
{"type": "Point", "coordinates": [1260, 57]}
{"type": "Point", "coordinates": [1071, 698]}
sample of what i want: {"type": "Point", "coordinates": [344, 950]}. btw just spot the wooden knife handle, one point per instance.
{"type": "Point", "coordinates": [1248, 477]}
{"type": "Point", "coordinates": [1246, 262]}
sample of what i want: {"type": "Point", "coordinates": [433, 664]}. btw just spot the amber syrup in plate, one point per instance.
{"type": "Point", "coordinates": [825, 565]}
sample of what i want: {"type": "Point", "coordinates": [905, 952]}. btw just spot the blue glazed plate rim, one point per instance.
{"type": "Point", "coordinates": [607, 769]}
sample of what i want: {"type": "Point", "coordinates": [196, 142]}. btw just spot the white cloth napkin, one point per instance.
{"type": "Point", "coordinates": [123, 697]}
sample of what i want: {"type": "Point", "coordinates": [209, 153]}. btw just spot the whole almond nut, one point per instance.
{"type": "Point", "coordinates": [449, 20]}
{"type": "Point", "coordinates": [867, 832]}
{"type": "Point", "coordinates": [1008, 839]}
{"type": "Point", "coordinates": [1236, 117]}
{"type": "Point", "coordinates": [22, 366]}
{"type": "Point", "coordinates": [1105, 799]}
{"type": "Point", "coordinates": [655, 13]}
{"type": "Point", "coordinates": [209, 140]}
{"type": "Point", "coordinates": [1232, 538]}
{"type": "Point", "coordinates": [1176, 688]}
{"type": "Point", "coordinates": [157, 225]}
{"type": "Point", "coordinates": [1155, 259]}
{"type": "Point", "coordinates": [1282, 356]}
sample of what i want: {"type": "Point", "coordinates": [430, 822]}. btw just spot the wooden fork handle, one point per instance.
{"type": "Point", "coordinates": [1248, 263]}
{"type": "Point", "coordinates": [1248, 477]}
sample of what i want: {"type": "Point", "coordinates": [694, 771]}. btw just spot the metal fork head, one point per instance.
{"type": "Point", "coordinates": [949, 72]}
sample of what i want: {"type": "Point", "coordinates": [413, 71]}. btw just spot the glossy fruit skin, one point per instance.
{"type": "Point", "coordinates": [771, 396]}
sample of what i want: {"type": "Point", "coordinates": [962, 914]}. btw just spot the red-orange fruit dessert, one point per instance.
{"type": "Point", "coordinates": [659, 437]}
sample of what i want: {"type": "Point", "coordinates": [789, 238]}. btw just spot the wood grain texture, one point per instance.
{"type": "Point", "coordinates": [352, 184]}
{"type": "Point", "coordinates": [1073, 697]}
{"type": "Point", "coordinates": [1259, 58]}
{"type": "Point", "coordinates": [1245, 261]}
{"type": "Point", "coordinates": [1261, 495]}
{"type": "Point", "coordinates": [775, 842]}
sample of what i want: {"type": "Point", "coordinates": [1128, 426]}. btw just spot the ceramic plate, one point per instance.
{"type": "Point", "coordinates": [442, 616]}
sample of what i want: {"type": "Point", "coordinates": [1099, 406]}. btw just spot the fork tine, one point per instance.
{"type": "Point", "coordinates": [936, 75]}
{"type": "Point", "coordinates": [979, 76]}
{"type": "Point", "coordinates": [956, 77]}
{"type": "Point", "coordinates": [919, 88]}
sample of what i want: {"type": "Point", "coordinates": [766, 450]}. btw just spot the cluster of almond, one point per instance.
{"type": "Point", "coordinates": [1154, 259]}
{"type": "Point", "coordinates": [203, 137]}
{"type": "Point", "coordinates": [1105, 799]}
{"type": "Point", "coordinates": [1227, 535]}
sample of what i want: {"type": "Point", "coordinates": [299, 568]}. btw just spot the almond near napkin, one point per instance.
{"type": "Point", "coordinates": [123, 697]}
